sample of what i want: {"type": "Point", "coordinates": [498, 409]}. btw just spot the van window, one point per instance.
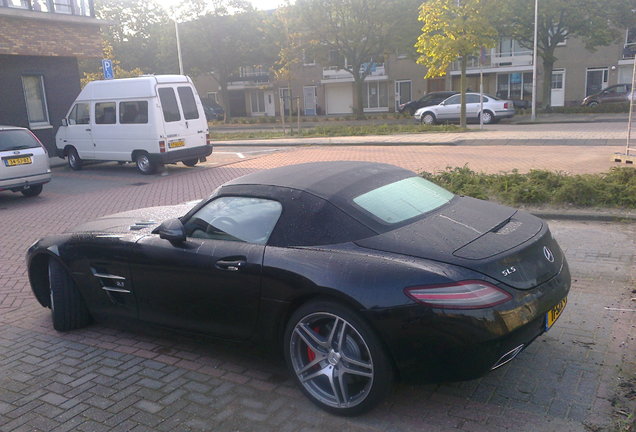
{"type": "Point", "coordinates": [133, 112]}
{"type": "Point", "coordinates": [105, 113]}
{"type": "Point", "coordinates": [169, 104]}
{"type": "Point", "coordinates": [80, 114]}
{"type": "Point", "coordinates": [188, 103]}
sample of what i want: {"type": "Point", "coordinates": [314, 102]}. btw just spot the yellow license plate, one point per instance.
{"type": "Point", "coordinates": [175, 144]}
{"type": "Point", "coordinates": [19, 161]}
{"type": "Point", "coordinates": [554, 313]}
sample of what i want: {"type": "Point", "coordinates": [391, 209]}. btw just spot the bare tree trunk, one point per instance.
{"type": "Point", "coordinates": [546, 99]}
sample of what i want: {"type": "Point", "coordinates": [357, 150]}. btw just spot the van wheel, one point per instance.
{"type": "Point", "coordinates": [74, 161]}
{"type": "Point", "coordinates": [190, 162]}
{"type": "Point", "coordinates": [145, 164]}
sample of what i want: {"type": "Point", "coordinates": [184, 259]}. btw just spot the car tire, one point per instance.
{"type": "Point", "coordinates": [68, 309]}
{"type": "Point", "coordinates": [428, 118]}
{"type": "Point", "coordinates": [190, 162]}
{"type": "Point", "coordinates": [487, 117]}
{"type": "Point", "coordinates": [592, 104]}
{"type": "Point", "coordinates": [145, 164]}
{"type": "Point", "coordinates": [32, 191]}
{"type": "Point", "coordinates": [336, 358]}
{"type": "Point", "coordinates": [73, 159]}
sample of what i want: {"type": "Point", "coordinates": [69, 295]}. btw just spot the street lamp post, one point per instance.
{"type": "Point", "coordinates": [533, 117]}
{"type": "Point", "coordinates": [176, 30]}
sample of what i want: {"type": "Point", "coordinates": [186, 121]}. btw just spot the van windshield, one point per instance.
{"type": "Point", "coordinates": [17, 140]}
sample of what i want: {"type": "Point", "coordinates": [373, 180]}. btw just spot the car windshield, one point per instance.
{"type": "Point", "coordinates": [404, 199]}
{"type": "Point", "coordinates": [17, 139]}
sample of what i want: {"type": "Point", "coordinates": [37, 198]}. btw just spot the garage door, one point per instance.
{"type": "Point", "coordinates": [339, 98]}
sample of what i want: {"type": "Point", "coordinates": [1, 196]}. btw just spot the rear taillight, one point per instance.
{"type": "Point", "coordinates": [459, 295]}
{"type": "Point", "coordinates": [505, 105]}
{"type": "Point", "coordinates": [162, 146]}
{"type": "Point", "coordinates": [39, 142]}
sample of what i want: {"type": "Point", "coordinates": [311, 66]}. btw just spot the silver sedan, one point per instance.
{"type": "Point", "coordinates": [494, 109]}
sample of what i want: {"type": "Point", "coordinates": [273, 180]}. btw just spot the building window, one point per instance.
{"type": "Point", "coordinates": [515, 85]}
{"type": "Point", "coordinates": [258, 102]}
{"type": "Point", "coordinates": [62, 6]}
{"type": "Point", "coordinates": [37, 111]}
{"type": "Point", "coordinates": [509, 47]}
{"type": "Point", "coordinates": [213, 97]}
{"type": "Point", "coordinates": [376, 96]}
{"type": "Point", "coordinates": [596, 80]}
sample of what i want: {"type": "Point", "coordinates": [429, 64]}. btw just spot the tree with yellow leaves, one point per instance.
{"type": "Point", "coordinates": [452, 30]}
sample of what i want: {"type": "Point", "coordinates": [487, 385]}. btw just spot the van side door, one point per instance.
{"type": "Point", "coordinates": [78, 132]}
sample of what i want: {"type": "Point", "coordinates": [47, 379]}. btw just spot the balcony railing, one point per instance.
{"type": "Point", "coordinates": [62, 7]}
{"type": "Point", "coordinates": [629, 51]}
{"type": "Point", "coordinates": [335, 72]}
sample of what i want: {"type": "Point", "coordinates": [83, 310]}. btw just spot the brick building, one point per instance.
{"type": "Point", "coordinates": [40, 43]}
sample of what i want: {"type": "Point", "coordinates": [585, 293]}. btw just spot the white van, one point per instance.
{"type": "Point", "coordinates": [149, 120]}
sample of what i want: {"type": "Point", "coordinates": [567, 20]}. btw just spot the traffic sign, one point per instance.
{"type": "Point", "coordinates": [107, 66]}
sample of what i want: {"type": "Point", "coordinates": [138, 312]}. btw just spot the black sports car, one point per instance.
{"type": "Point", "coordinates": [428, 99]}
{"type": "Point", "coordinates": [360, 272]}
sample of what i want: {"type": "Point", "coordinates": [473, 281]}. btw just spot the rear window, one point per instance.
{"type": "Point", "coordinates": [402, 200]}
{"type": "Point", "coordinates": [17, 140]}
{"type": "Point", "coordinates": [188, 103]}
{"type": "Point", "coordinates": [169, 104]}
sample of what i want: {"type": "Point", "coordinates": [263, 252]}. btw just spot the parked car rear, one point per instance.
{"type": "Point", "coordinates": [24, 165]}
{"type": "Point", "coordinates": [618, 93]}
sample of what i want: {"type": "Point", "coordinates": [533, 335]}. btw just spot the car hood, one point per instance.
{"type": "Point", "coordinates": [145, 219]}
{"type": "Point", "coordinates": [509, 245]}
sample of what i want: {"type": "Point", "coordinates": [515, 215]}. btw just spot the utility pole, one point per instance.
{"type": "Point", "coordinates": [533, 117]}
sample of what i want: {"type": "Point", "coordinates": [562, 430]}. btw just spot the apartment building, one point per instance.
{"type": "Point", "coordinates": [578, 72]}
{"type": "Point", "coordinates": [507, 73]}
{"type": "Point", "coordinates": [40, 43]}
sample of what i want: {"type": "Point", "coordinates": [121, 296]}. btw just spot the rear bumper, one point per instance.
{"type": "Point", "coordinates": [182, 154]}
{"type": "Point", "coordinates": [23, 182]}
{"type": "Point", "coordinates": [431, 346]}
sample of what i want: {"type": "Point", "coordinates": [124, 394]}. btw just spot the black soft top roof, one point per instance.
{"type": "Point", "coordinates": [337, 181]}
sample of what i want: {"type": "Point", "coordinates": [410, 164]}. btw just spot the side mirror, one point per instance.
{"type": "Point", "coordinates": [64, 122]}
{"type": "Point", "coordinates": [171, 230]}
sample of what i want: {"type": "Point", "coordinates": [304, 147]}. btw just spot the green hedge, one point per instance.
{"type": "Point", "coordinates": [616, 188]}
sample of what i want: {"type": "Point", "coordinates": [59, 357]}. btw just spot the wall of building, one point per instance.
{"type": "Point", "coordinates": [61, 87]}
{"type": "Point", "coordinates": [49, 37]}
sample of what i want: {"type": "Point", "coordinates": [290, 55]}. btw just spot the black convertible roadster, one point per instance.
{"type": "Point", "coordinates": [360, 272]}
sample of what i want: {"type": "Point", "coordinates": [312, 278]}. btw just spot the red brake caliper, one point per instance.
{"type": "Point", "coordinates": [311, 355]}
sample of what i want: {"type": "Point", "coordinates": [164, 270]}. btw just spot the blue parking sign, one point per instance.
{"type": "Point", "coordinates": [107, 66]}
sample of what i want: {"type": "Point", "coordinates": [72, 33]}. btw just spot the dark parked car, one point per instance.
{"type": "Point", "coordinates": [213, 111]}
{"type": "Point", "coordinates": [428, 99]}
{"type": "Point", "coordinates": [359, 272]}
{"type": "Point", "coordinates": [618, 93]}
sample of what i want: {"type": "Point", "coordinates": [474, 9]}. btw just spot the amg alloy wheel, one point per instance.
{"type": "Point", "coordinates": [336, 359]}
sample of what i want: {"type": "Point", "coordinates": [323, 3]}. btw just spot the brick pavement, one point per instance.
{"type": "Point", "coordinates": [108, 377]}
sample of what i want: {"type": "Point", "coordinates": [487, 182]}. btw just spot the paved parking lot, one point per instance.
{"type": "Point", "coordinates": [108, 377]}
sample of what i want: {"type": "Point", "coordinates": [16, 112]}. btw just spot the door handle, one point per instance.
{"type": "Point", "coordinates": [88, 130]}
{"type": "Point", "coordinates": [231, 264]}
